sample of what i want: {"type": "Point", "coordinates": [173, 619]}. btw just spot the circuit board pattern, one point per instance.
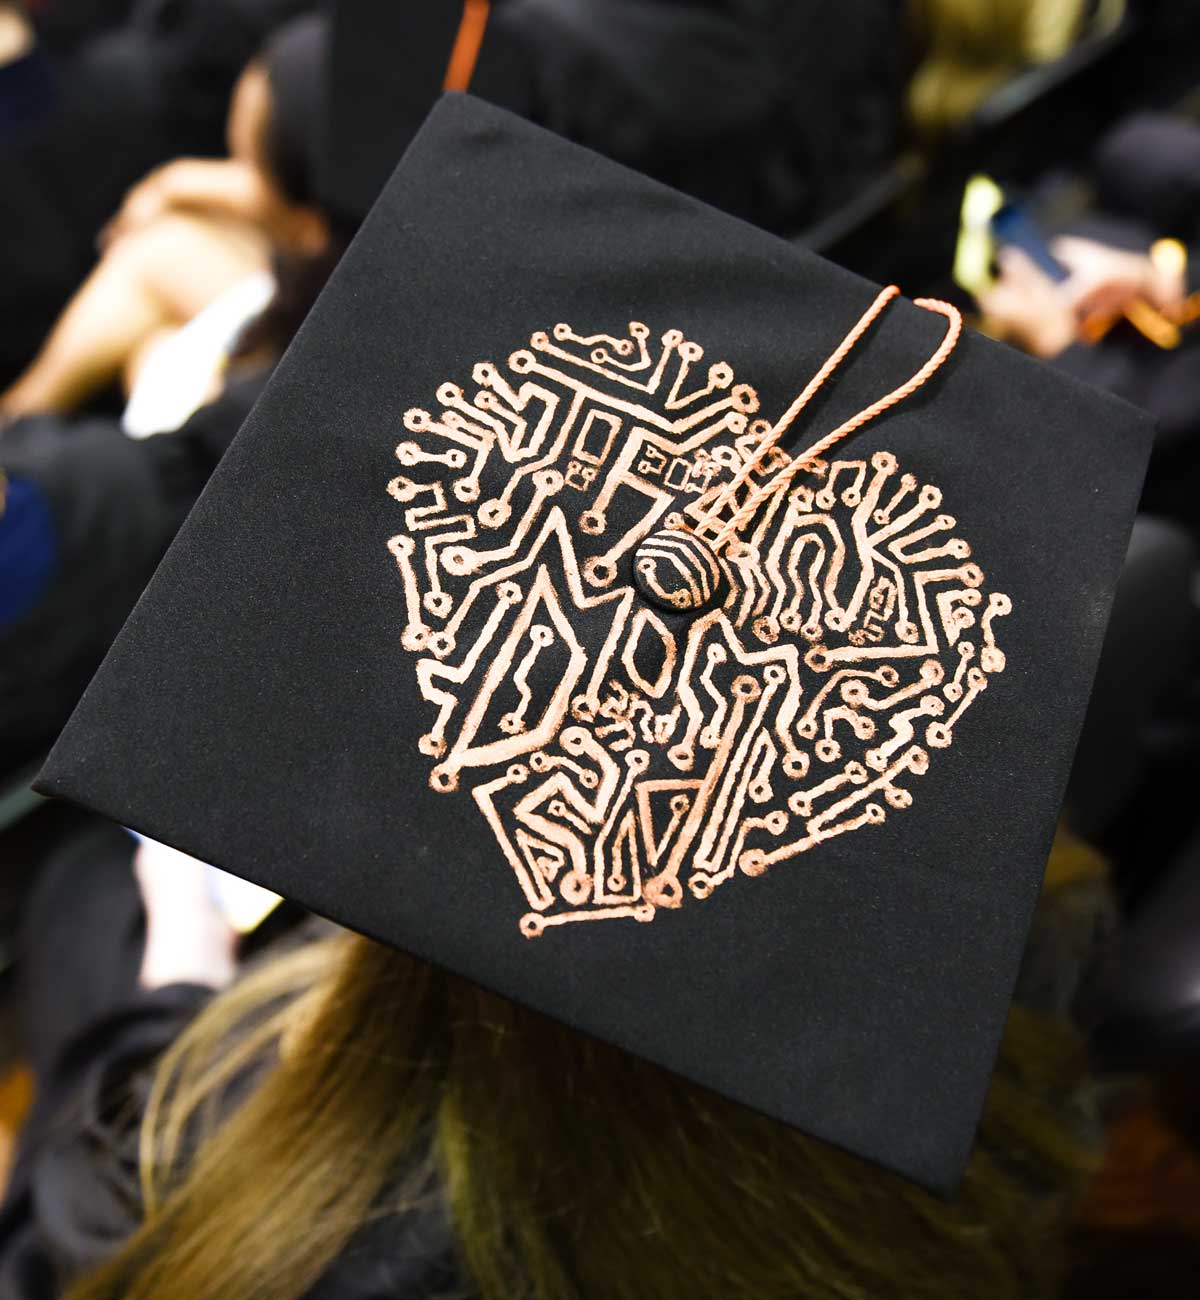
{"type": "Point", "coordinates": [625, 756]}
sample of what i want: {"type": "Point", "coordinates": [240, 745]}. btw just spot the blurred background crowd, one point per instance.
{"type": "Point", "coordinates": [178, 179]}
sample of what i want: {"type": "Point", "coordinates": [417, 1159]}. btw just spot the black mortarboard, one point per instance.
{"type": "Point", "coordinates": [445, 653]}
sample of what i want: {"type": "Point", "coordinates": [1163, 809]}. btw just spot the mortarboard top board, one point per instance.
{"type": "Point", "coordinates": [432, 655]}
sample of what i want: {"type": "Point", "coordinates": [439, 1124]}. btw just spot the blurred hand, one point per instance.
{"type": "Point", "coordinates": [1027, 308]}
{"type": "Point", "coordinates": [1105, 280]}
{"type": "Point", "coordinates": [221, 187]}
{"type": "Point", "coordinates": [143, 203]}
{"type": "Point", "coordinates": [188, 939]}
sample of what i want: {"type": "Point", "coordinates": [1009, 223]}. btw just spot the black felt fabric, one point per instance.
{"type": "Point", "coordinates": [259, 710]}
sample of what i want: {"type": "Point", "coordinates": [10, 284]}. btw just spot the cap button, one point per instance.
{"type": "Point", "coordinates": [678, 571]}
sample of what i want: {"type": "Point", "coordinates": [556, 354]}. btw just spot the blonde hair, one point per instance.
{"type": "Point", "coordinates": [570, 1169]}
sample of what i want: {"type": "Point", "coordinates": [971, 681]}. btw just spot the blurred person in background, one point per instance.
{"type": "Point", "coordinates": [106, 90]}
{"type": "Point", "coordinates": [346, 1122]}
{"type": "Point", "coordinates": [191, 231]}
{"type": "Point", "coordinates": [775, 111]}
{"type": "Point", "coordinates": [1046, 317]}
{"type": "Point", "coordinates": [778, 112]}
{"type": "Point", "coordinates": [209, 269]}
{"type": "Point", "coordinates": [1123, 318]}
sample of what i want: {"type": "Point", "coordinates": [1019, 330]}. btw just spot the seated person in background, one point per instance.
{"type": "Point", "coordinates": [777, 113]}
{"type": "Point", "coordinates": [1045, 317]}
{"type": "Point", "coordinates": [86, 510]}
{"type": "Point", "coordinates": [1147, 180]}
{"type": "Point", "coordinates": [347, 1122]}
{"type": "Point", "coordinates": [1051, 320]}
{"type": "Point", "coordinates": [109, 90]}
{"type": "Point", "coordinates": [192, 231]}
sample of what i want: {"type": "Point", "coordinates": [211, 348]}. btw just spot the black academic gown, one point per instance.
{"type": "Point", "coordinates": [116, 503]}
{"type": "Point", "coordinates": [92, 1037]}
{"type": "Point", "coordinates": [772, 110]}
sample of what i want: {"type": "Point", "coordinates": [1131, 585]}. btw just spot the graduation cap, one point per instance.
{"type": "Point", "coordinates": [649, 621]}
